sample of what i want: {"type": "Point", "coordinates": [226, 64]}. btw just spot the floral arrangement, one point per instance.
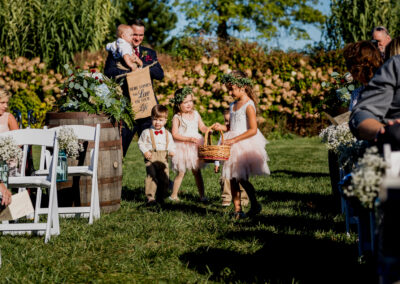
{"type": "Point", "coordinates": [92, 92]}
{"type": "Point", "coordinates": [343, 85]}
{"type": "Point", "coordinates": [68, 142]}
{"type": "Point", "coordinates": [9, 150]}
{"type": "Point", "coordinates": [340, 140]}
{"type": "Point", "coordinates": [336, 135]}
{"type": "Point", "coordinates": [367, 178]}
{"type": "Point", "coordinates": [240, 82]}
{"type": "Point", "coordinates": [180, 97]}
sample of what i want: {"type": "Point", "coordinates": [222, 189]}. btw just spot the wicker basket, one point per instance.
{"type": "Point", "coordinates": [214, 152]}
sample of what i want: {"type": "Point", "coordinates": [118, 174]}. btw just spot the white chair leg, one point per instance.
{"type": "Point", "coordinates": [96, 201]}
{"type": "Point", "coordinates": [37, 204]}
{"type": "Point", "coordinates": [49, 215]}
{"type": "Point", "coordinates": [55, 216]}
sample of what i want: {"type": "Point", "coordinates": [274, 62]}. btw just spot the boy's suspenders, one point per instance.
{"type": "Point", "coordinates": [153, 142]}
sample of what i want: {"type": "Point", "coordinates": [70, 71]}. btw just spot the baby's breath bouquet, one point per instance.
{"type": "Point", "coordinates": [92, 92]}
{"type": "Point", "coordinates": [340, 140]}
{"type": "Point", "coordinates": [367, 178]}
{"type": "Point", "coordinates": [68, 142]}
{"type": "Point", "coordinates": [9, 150]}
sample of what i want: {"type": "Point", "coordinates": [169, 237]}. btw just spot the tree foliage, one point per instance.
{"type": "Point", "coordinates": [353, 20]}
{"type": "Point", "coordinates": [54, 30]}
{"type": "Point", "coordinates": [158, 16]}
{"type": "Point", "coordinates": [266, 16]}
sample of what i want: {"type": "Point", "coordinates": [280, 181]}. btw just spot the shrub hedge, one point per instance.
{"type": "Point", "coordinates": [287, 85]}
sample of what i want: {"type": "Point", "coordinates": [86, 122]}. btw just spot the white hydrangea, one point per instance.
{"type": "Point", "coordinates": [367, 177]}
{"type": "Point", "coordinates": [68, 142]}
{"type": "Point", "coordinates": [9, 150]}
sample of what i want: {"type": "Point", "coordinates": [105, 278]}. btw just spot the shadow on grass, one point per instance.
{"type": "Point", "coordinates": [311, 202]}
{"type": "Point", "coordinates": [132, 194]}
{"type": "Point", "coordinates": [282, 259]}
{"type": "Point", "coordinates": [298, 174]}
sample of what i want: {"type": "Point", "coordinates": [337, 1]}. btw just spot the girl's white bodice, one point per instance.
{"type": "Point", "coordinates": [238, 119]}
{"type": "Point", "coordinates": [189, 127]}
{"type": "Point", "coordinates": [4, 122]}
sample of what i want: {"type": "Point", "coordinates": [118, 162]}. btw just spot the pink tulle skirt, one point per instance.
{"type": "Point", "coordinates": [186, 156]}
{"type": "Point", "coordinates": [248, 157]}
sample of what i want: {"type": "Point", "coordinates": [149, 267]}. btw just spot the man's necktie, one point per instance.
{"type": "Point", "coordinates": [158, 132]}
{"type": "Point", "coordinates": [137, 52]}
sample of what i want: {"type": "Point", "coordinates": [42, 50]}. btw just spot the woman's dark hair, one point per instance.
{"type": "Point", "coordinates": [362, 60]}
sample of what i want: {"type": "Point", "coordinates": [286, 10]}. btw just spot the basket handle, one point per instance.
{"type": "Point", "coordinates": [207, 137]}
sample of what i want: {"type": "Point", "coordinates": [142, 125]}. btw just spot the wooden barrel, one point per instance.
{"type": "Point", "coordinates": [77, 190]}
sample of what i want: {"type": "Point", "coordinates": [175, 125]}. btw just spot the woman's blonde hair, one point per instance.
{"type": "Point", "coordinates": [393, 48]}
{"type": "Point", "coordinates": [4, 93]}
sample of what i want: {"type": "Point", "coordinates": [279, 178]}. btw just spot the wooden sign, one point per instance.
{"type": "Point", "coordinates": [141, 92]}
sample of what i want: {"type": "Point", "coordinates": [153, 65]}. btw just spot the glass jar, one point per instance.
{"type": "Point", "coordinates": [62, 167]}
{"type": "Point", "coordinates": [4, 172]}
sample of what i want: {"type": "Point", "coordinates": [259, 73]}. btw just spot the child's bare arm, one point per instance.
{"type": "Point", "coordinates": [203, 128]}
{"type": "Point", "coordinates": [128, 60]}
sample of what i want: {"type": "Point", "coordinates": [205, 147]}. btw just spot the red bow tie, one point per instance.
{"type": "Point", "coordinates": [158, 132]}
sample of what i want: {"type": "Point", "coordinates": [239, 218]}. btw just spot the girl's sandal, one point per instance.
{"type": "Point", "coordinates": [239, 215]}
{"type": "Point", "coordinates": [174, 199]}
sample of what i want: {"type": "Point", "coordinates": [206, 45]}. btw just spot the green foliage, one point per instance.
{"type": "Point", "coordinates": [225, 16]}
{"type": "Point", "coordinates": [287, 85]}
{"type": "Point", "coordinates": [92, 92]}
{"type": "Point", "coordinates": [25, 100]}
{"type": "Point", "coordinates": [54, 30]}
{"type": "Point", "coordinates": [353, 20]}
{"type": "Point", "coordinates": [158, 17]}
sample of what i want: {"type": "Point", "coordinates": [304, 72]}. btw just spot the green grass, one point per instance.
{"type": "Point", "coordinates": [297, 238]}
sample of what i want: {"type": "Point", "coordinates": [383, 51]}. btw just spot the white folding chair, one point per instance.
{"type": "Point", "coordinates": [87, 133]}
{"type": "Point", "coordinates": [392, 176]}
{"type": "Point", "coordinates": [40, 137]}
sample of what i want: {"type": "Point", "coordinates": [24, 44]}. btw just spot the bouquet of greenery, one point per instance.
{"type": "Point", "coordinates": [92, 92]}
{"type": "Point", "coordinates": [342, 86]}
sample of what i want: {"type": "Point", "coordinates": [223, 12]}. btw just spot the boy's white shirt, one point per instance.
{"type": "Point", "coordinates": [119, 48]}
{"type": "Point", "coordinates": [160, 140]}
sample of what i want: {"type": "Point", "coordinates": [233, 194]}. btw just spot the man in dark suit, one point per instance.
{"type": "Point", "coordinates": [148, 57]}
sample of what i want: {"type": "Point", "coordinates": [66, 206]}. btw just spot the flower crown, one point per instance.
{"type": "Point", "coordinates": [240, 82]}
{"type": "Point", "coordinates": [181, 96]}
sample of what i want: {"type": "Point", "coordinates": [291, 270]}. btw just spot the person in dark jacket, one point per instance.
{"type": "Point", "coordinates": [148, 56]}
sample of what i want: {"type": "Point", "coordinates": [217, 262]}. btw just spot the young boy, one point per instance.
{"type": "Point", "coordinates": [122, 47]}
{"type": "Point", "coordinates": [225, 183]}
{"type": "Point", "coordinates": [156, 144]}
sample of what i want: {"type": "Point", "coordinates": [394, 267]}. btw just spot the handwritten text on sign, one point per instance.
{"type": "Point", "coordinates": [141, 92]}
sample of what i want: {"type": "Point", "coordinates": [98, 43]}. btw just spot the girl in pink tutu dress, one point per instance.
{"type": "Point", "coordinates": [248, 155]}
{"type": "Point", "coordinates": [185, 131]}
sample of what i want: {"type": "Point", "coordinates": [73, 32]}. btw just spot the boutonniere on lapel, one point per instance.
{"type": "Point", "coordinates": [146, 56]}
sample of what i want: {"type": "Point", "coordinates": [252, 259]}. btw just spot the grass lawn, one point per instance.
{"type": "Point", "coordinates": [297, 238]}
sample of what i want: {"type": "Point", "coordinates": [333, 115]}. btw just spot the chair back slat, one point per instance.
{"type": "Point", "coordinates": [83, 132]}
{"type": "Point", "coordinates": [29, 136]}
